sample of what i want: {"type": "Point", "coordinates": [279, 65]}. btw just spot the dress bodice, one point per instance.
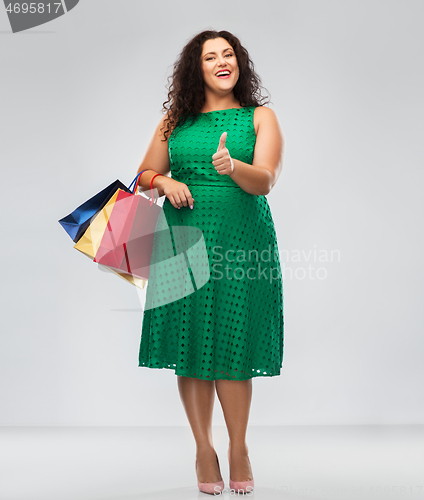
{"type": "Point", "coordinates": [192, 144]}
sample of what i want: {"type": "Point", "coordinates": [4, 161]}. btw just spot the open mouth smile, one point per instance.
{"type": "Point", "coordinates": [224, 73]}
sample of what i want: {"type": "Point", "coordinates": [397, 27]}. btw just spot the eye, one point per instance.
{"type": "Point", "coordinates": [229, 55]}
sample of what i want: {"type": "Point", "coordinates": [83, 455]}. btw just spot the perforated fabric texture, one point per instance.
{"type": "Point", "coordinates": [232, 326]}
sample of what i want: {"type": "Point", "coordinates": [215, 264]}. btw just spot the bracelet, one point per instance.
{"type": "Point", "coordinates": [151, 186]}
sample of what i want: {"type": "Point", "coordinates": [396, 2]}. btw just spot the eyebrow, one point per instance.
{"type": "Point", "coordinates": [229, 48]}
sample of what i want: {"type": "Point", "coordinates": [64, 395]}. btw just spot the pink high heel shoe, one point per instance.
{"type": "Point", "coordinates": [241, 486]}
{"type": "Point", "coordinates": [211, 488]}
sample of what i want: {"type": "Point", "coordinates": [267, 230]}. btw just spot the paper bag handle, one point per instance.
{"type": "Point", "coordinates": [135, 182]}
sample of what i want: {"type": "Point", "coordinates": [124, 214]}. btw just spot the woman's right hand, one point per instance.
{"type": "Point", "coordinates": [177, 192]}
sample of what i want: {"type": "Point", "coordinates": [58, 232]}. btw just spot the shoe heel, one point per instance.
{"type": "Point", "coordinates": [241, 486]}
{"type": "Point", "coordinates": [211, 488]}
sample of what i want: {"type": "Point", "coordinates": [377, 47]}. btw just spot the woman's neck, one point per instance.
{"type": "Point", "coordinates": [213, 103]}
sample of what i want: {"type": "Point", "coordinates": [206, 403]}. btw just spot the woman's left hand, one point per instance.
{"type": "Point", "coordinates": [222, 160]}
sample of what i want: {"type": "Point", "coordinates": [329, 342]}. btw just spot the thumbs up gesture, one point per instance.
{"type": "Point", "coordinates": [222, 160]}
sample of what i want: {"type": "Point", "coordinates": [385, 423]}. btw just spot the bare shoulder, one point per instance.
{"type": "Point", "coordinates": [161, 127]}
{"type": "Point", "coordinates": [157, 156]}
{"type": "Point", "coordinates": [264, 116]}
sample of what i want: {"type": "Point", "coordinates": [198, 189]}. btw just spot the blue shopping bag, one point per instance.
{"type": "Point", "coordinates": [76, 223]}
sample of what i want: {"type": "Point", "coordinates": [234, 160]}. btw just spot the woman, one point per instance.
{"type": "Point", "coordinates": [224, 151]}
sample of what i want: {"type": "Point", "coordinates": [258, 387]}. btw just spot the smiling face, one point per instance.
{"type": "Point", "coordinates": [218, 57]}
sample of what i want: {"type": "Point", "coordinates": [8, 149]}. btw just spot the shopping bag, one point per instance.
{"type": "Point", "coordinates": [127, 242]}
{"type": "Point", "coordinates": [120, 236]}
{"type": "Point", "coordinates": [90, 241]}
{"type": "Point", "coordinates": [76, 223]}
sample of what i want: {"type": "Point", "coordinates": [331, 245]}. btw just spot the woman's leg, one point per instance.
{"type": "Point", "coordinates": [235, 397]}
{"type": "Point", "coordinates": [198, 398]}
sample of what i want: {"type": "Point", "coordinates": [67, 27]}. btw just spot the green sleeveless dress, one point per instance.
{"type": "Point", "coordinates": [226, 319]}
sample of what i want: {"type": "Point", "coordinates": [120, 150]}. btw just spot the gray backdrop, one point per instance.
{"type": "Point", "coordinates": [81, 97]}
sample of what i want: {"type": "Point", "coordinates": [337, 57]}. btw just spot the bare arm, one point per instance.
{"type": "Point", "coordinates": [156, 161]}
{"type": "Point", "coordinates": [260, 177]}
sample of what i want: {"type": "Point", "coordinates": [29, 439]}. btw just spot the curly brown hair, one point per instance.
{"type": "Point", "coordinates": [186, 92]}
